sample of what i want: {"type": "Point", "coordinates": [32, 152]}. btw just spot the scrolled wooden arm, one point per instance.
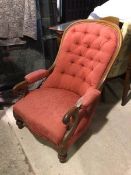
{"type": "Point", "coordinates": [68, 115]}
{"type": "Point", "coordinates": [71, 118]}
{"type": "Point", "coordinates": [72, 114]}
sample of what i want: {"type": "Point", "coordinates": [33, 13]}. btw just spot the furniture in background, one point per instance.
{"type": "Point", "coordinates": [61, 109]}
{"type": "Point", "coordinates": [123, 63]}
{"type": "Point", "coordinates": [127, 83]}
{"type": "Point", "coordinates": [127, 80]}
{"type": "Point", "coordinates": [59, 30]}
{"type": "Point", "coordinates": [59, 11]}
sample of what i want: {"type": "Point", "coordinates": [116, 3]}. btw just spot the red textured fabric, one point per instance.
{"type": "Point", "coordinates": [36, 75]}
{"type": "Point", "coordinates": [43, 110]}
{"type": "Point", "coordinates": [84, 55]}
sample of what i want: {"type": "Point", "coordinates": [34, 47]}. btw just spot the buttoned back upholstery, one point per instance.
{"type": "Point", "coordinates": [85, 53]}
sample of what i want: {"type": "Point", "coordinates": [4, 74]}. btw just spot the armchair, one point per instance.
{"type": "Point", "coordinates": [61, 109]}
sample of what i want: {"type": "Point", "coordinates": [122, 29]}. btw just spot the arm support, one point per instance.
{"type": "Point", "coordinates": [73, 114]}
{"type": "Point", "coordinates": [36, 75]}
{"type": "Point", "coordinates": [29, 79]}
{"type": "Point", "coordinates": [88, 98]}
{"type": "Point", "coordinates": [32, 78]}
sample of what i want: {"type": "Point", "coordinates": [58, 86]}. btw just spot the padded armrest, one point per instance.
{"type": "Point", "coordinates": [36, 75]}
{"type": "Point", "coordinates": [88, 98]}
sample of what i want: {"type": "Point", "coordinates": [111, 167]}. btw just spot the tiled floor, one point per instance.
{"type": "Point", "coordinates": [105, 149]}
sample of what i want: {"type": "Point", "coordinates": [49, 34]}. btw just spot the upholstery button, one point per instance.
{"type": "Point", "coordinates": [80, 54]}
{"type": "Point", "coordinates": [99, 61]}
{"type": "Point", "coordinates": [76, 42]}
{"type": "Point", "coordinates": [99, 48]}
{"type": "Point", "coordinates": [82, 65]}
{"type": "Point", "coordinates": [108, 37]}
{"type": "Point", "coordinates": [62, 72]}
{"type": "Point", "coordinates": [73, 75]}
{"type": "Point", "coordinates": [71, 61]}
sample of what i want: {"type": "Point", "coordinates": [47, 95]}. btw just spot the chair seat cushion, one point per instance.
{"type": "Point", "coordinates": [40, 112]}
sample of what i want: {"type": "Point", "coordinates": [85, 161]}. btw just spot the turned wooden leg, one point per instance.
{"type": "Point", "coordinates": [126, 87]}
{"type": "Point", "coordinates": [20, 124]}
{"type": "Point", "coordinates": [62, 155]}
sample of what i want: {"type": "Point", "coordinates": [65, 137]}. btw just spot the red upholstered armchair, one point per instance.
{"type": "Point", "coordinates": [60, 110]}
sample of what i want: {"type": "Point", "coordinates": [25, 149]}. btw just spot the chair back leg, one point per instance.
{"type": "Point", "coordinates": [126, 87]}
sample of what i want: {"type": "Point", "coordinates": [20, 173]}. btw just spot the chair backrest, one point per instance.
{"type": "Point", "coordinates": [112, 19]}
{"type": "Point", "coordinates": [86, 54]}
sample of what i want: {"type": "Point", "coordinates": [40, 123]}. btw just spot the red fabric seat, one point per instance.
{"type": "Point", "coordinates": [44, 118]}
{"type": "Point", "coordinates": [60, 110]}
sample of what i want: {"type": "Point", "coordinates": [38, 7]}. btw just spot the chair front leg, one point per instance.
{"type": "Point", "coordinates": [74, 114]}
{"type": "Point", "coordinates": [62, 153]}
{"type": "Point", "coordinates": [19, 122]}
